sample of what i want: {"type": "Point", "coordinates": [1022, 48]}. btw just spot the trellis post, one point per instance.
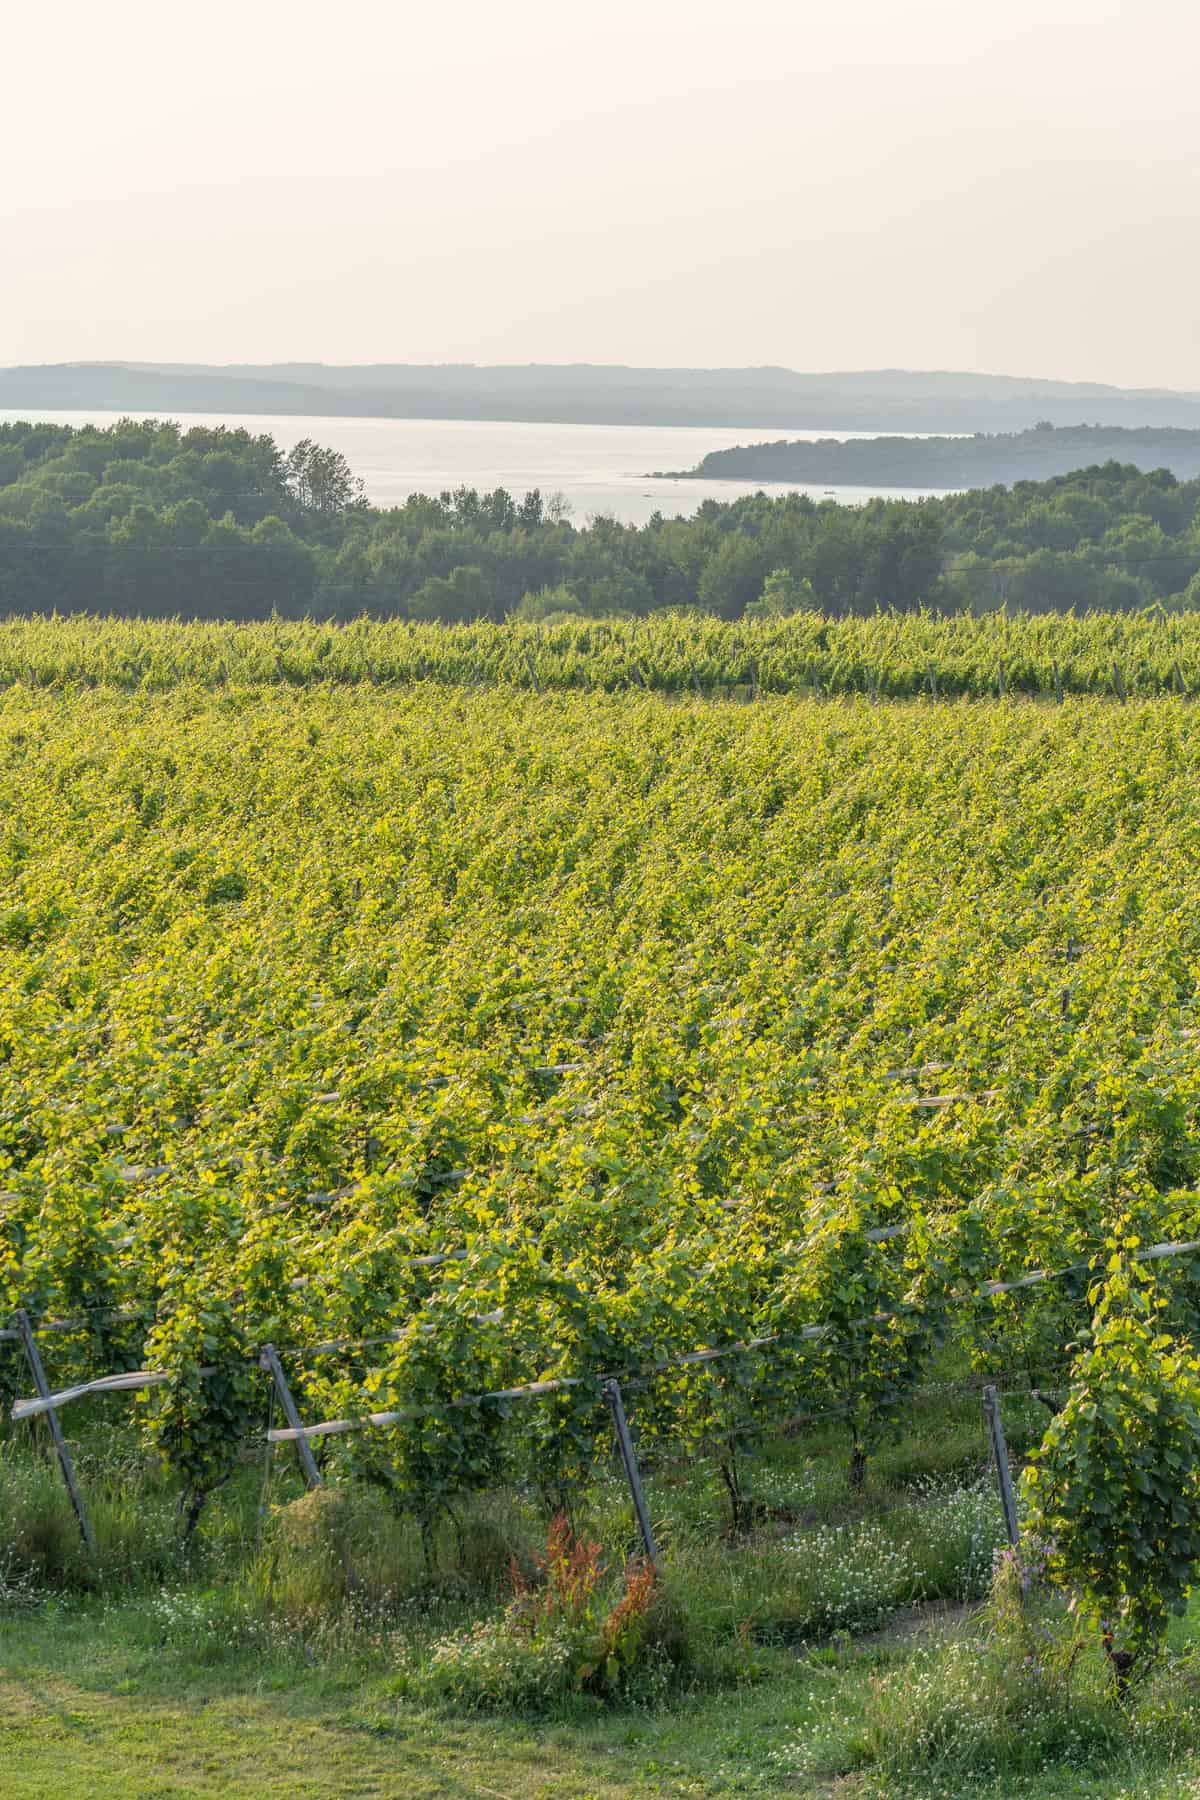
{"type": "Point", "coordinates": [269, 1360]}
{"type": "Point", "coordinates": [991, 1407]}
{"type": "Point", "coordinates": [33, 1358]}
{"type": "Point", "coordinates": [612, 1393]}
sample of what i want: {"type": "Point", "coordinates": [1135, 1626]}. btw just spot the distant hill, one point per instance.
{"type": "Point", "coordinates": [886, 400]}
{"type": "Point", "coordinates": [955, 462]}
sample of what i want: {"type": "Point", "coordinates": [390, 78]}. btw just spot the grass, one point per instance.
{"type": "Point", "coordinates": [88, 1710]}
{"type": "Point", "coordinates": [90, 1705]}
{"type": "Point", "coordinates": [247, 1668]}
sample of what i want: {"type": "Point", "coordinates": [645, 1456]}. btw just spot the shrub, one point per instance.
{"type": "Point", "coordinates": [345, 1547]}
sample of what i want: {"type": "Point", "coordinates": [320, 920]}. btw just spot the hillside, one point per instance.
{"type": "Point", "coordinates": [878, 400]}
{"type": "Point", "coordinates": [408, 1077]}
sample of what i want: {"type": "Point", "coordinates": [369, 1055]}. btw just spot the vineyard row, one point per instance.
{"type": "Point", "coordinates": [133, 1380]}
{"type": "Point", "coordinates": [882, 656]}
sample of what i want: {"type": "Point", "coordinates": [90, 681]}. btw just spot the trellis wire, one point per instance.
{"type": "Point", "coordinates": [145, 1378]}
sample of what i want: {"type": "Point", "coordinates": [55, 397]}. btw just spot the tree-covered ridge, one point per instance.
{"type": "Point", "coordinates": [868, 400]}
{"type": "Point", "coordinates": [144, 520]}
{"type": "Point", "coordinates": [979, 460]}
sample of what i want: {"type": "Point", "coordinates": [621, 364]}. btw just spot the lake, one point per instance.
{"type": "Point", "coordinates": [598, 468]}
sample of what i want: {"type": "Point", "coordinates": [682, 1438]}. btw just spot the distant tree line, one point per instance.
{"type": "Point", "coordinates": [144, 520]}
{"type": "Point", "coordinates": [980, 460]}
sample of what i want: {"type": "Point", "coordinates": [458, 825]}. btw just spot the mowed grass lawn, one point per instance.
{"type": "Point", "coordinates": [87, 1708]}
{"type": "Point", "coordinates": [84, 1712]}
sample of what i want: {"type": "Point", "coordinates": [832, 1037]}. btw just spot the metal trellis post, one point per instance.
{"type": "Point", "coordinates": [991, 1407]}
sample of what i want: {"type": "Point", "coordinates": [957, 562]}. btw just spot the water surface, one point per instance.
{"type": "Point", "coordinates": [598, 468]}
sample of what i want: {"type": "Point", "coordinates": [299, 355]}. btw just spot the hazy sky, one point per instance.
{"type": "Point", "coordinates": [854, 184]}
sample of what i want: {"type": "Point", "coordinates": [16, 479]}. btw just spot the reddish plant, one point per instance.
{"type": "Point", "coordinates": [621, 1632]}
{"type": "Point", "coordinates": [569, 1573]}
{"type": "Point", "coordinates": [565, 1592]}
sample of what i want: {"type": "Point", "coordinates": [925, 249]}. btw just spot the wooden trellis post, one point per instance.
{"type": "Point", "coordinates": [991, 1407]}
{"type": "Point", "coordinates": [32, 1356]}
{"type": "Point", "coordinates": [612, 1393]}
{"type": "Point", "coordinates": [269, 1359]}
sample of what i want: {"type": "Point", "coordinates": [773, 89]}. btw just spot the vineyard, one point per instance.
{"type": "Point", "coordinates": [780, 1060]}
{"type": "Point", "coordinates": [890, 655]}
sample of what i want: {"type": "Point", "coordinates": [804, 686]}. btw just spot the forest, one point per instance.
{"type": "Point", "coordinates": [145, 520]}
{"type": "Point", "coordinates": [980, 460]}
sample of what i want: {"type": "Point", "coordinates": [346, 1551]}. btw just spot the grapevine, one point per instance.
{"type": "Point", "coordinates": [453, 1040]}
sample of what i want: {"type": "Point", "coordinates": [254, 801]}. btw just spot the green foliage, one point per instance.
{"type": "Point", "coordinates": [998, 1708]}
{"type": "Point", "coordinates": [805, 654]}
{"type": "Point", "coordinates": [320, 479]}
{"type": "Point", "coordinates": [454, 1041]}
{"type": "Point", "coordinates": [783, 593]}
{"type": "Point", "coordinates": [1114, 1489]}
{"type": "Point", "coordinates": [878, 1304]}
{"type": "Point", "coordinates": [146, 520]}
{"type": "Point", "coordinates": [197, 1418]}
{"type": "Point", "coordinates": [449, 1440]}
{"type": "Point", "coordinates": [549, 603]}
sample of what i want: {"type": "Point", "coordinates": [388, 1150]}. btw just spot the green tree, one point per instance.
{"type": "Point", "coordinates": [733, 576]}
{"type": "Point", "coordinates": [321, 480]}
{"type": "Point", "coordinates": [548, 603]}
{"type": "Point", "coordinates": [462, 595]}
{"type": "Point", "coordinates": [783, 593]}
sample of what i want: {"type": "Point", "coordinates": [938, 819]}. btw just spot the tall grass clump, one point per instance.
{"type": "Point", "coordinates": [344, 1550]}
{"type": "Point", "coordinates": [1016, 1692]}
{"type": "Point", "coordinates": [134, 1523]}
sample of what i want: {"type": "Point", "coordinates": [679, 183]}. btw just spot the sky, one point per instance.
{"type": "Point", "coordinates": [856, 184]}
